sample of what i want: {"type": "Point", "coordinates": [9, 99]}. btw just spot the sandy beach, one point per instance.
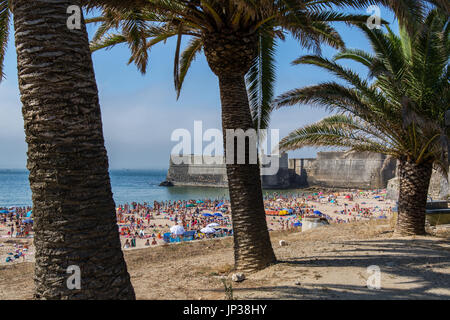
{"type": "Point", "coordinates": [329, 262]}
{"type": "Point", "coordinates": [324, 263]}
{"type": "Point", "coordinates": [147, 224]}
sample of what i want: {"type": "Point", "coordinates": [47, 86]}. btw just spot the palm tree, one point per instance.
{"type": "Point", "coordinates": [73, 207]}
{"type": "Point", "coordinates": [238, 39]}
{"type": "Point", "coordinates": [401, 113]}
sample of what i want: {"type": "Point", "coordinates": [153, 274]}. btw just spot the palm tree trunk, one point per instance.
{"type": "Point", "coordinates": [414, 183]}
{"type": "Point", "coordinates": [230, 56]}
{"type": "Point", "coordinates": [252, 247]}
{"type": "Point", "coordinates": [73, 209]}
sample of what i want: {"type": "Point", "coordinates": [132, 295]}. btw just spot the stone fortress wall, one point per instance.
{"type": "Point", "coordinates": [330, 169]}
{"type": "Point", "coordinates": [352, 170]}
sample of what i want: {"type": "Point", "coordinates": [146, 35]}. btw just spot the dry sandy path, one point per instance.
{"type": "Point", "coordinates": [326, 263]}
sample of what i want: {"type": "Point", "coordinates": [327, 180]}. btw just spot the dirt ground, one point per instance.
{"type": "Point", "coordinates": [326, 263]}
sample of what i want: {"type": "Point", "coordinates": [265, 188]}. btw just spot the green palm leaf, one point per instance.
{"type": "Point", "coordinates": [401, 113]}
{"type": "Point", "coordinates": [194, 47]}
{"type": "Point", "coordinates": [261, 79]}
{"type": "Point", "coordinates": [4, 33]}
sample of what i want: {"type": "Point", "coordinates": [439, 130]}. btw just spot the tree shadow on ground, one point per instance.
{"type": "Point", "coordinates": [425, 264]}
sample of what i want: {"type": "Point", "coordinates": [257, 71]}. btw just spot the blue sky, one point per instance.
{"type": "Point", "coordinates": [140, 112]}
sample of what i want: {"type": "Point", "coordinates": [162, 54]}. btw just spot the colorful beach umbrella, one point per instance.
{"type": "Point", "coordinates": [208, 230]}
{"type": "Point", "coordinates": [177, 230]}
{"type": "Point", "coordinates": [212, 225]}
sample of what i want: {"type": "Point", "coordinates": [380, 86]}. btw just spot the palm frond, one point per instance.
{"type": "Point", "coordinates": [334, 131]}
{"type": "Point", "coordinates": [402, 111]}
{"type": "Point", "coordinates": [4, 33]}
{"type": "Point", "coordinates": [194, 47]}
{"type": "Point", "coordinates": [261, 79]}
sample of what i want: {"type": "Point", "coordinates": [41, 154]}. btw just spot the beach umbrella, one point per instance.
{"type": "Point", "coordinates": [207, 215]}
{"type": "Point", "coordinates": [190, 205]}
{"type": "Point", "coordinates": [317, 212]}
{"type": "Point", "coordinates": [177, 230]}
{"type": "Point", "coordinates": [208, 230]}
{"type": "Point", "coordinates": [212, 225]}
{"type": "Point", "coordinates": [297, 224]}
{"type": "Point", "coordinates": [4, 211]}
{"type": "Point", "coordinates": [199, 201]}
{"type": "Point", "coordinates": [218, 214]}
{"type": "Point", "coordinates": [28, 220]}
{"type": "Point", "coordinates": [29, 213]}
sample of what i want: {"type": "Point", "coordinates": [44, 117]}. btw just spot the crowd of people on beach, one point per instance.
{"type": "Point", "coordinates": [152, 221]}
{"type": "Point", "coordinates": [16, 220]}
{"type": "Point", "coordinates": [16, 223]}
{"type": "Point", "coordinates": [149, 224]}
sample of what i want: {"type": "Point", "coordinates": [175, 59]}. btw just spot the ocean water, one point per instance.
{"type": "Point", "coordinates": [127, 185]}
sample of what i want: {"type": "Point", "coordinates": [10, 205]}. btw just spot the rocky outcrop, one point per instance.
{"type": "Point", "coordinates": [439, 187]}
{"type": "Point", "coordinates": [393, 188]}
{"type": "Point", "coordinates": [438, 190]}
{"type": "Point", "coordinates": [166, 184]}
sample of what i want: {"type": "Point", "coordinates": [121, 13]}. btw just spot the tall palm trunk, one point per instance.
{"type": "Point", "coordinates": [230, 57]}
{"type": "Point", "coordinates": [73, 208]}
{"type": "Point", "coordinates": [414, 183]}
